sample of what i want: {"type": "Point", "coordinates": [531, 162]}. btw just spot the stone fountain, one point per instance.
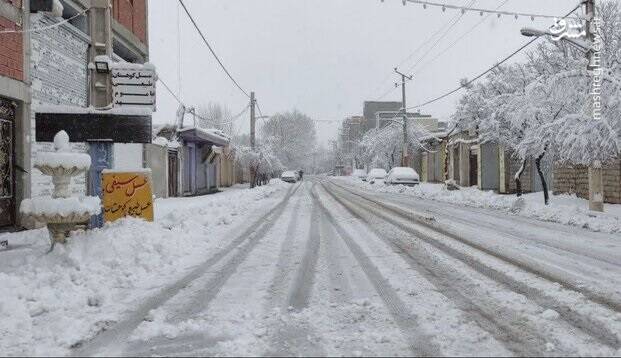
{"type": "Point", "coordinates": [61, 212]}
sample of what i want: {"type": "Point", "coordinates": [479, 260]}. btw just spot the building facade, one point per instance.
{"type": "Point", "coordinates": [15, 102]}
{"type": "Point", "coordinates": [49, 67]}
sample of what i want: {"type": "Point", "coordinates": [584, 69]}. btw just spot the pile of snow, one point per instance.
{"type": "Point", "coordinates": [49, 206]}
{"type": "Point", "coordinates": [64, 160]}
{"type": "Point", "coordinates": [50, 302]}
{"type": "Point", "coordinates": [564, 209]}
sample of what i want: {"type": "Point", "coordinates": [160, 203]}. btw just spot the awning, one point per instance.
{"type": "Point", "coordinates": [198, 135]}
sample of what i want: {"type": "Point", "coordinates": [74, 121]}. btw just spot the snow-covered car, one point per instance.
{"type": "Point", "coordinates": [359, 174]}
{"type": "Point", "coordinates": [402, 176]}
{"type": "Point", "coordinates": [289, 176]}
{"type": "Point", "coordinates": [376, 175]}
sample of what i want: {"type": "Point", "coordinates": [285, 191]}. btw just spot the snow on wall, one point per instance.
{"type": "Point", "coordinates": [128, 156]}
{"type": "Point", "coordinates": [59, 77]}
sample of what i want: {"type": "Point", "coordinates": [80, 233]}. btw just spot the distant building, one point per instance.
{"type": "Point", "coordinates": [371, 108]}
{"type": "Point", "coordinates": [423, 121]}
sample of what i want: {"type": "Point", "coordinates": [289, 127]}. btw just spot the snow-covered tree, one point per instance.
{"type": "Point", "coordinates": [216, 115]}
{"type": "Point", "coordinates": [546, 105]}
{"type": "Point", "coordinates": [291, 136]}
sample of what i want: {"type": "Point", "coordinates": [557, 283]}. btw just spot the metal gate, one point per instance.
{"type": "Point", "coordinates": [173, 173]}
{"type": "Point", "coordinates": [7, 165]}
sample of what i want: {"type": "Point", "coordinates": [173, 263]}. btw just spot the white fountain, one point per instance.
{"type": "Point", "coordinates": [61, 212]}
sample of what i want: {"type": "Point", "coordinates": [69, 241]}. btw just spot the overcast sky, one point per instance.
{"type": "Point", "coordinates": [326, 57]}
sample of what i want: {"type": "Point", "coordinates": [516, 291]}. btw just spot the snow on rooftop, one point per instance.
{"type": "Point", "coordinates": [208, 131]}
{"type": "Point", "coordinates": [126, 111]}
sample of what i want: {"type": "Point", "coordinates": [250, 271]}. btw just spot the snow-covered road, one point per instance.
{"type": "Point", "coordinates": [321, 267]}
{"type": "Point", "coordinates": [336, 270]}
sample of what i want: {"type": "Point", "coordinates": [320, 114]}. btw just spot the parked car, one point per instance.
{"type": "Point", "coordinates": [402, 176]}
{"type": "Point", "coordinates": [289, 176]}
{"type": "Point", "coordinates": [359, 174]}
{"type": "Point", "coordinates": [376, 175]}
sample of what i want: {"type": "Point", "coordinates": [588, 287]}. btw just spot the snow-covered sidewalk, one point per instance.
{"type": "Point", "coordinates": [563, 209]}
{"type": "Point", "coordinates": [62, 298]}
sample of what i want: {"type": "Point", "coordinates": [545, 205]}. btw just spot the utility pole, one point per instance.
{"type": "Point", "coordinates": [590, 15]}
{"type": "Point", "coordinates": [253, 121]}
{"type": "Point", "coordinates": [596, 175]}
{"type": "Point", "coordinates": [404, 158]}
{"type": "Point", "coordinates": [100, 94]}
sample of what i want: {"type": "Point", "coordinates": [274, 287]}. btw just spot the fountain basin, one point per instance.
{"type": "Point", "coordinates": [61, 214]}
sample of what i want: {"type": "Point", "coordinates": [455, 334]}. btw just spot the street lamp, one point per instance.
{"type": "Point", "coordinates": [532, 32]}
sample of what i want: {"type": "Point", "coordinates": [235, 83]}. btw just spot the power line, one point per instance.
{"type": "Point", "coordinates": [49, 27]}
{"type": "Point", "coordinates": [159, 78]}
{"type": "Point", "coordinates": [477, 77]}
{"type": "Point", "coordinates": [429, 39]}
{"type": "Point", "coordinates": [212, 50]}
{"type": "Point", "coordinates": [460, 37]}
{"type": "Point", "coordinates": [486, 71]}
{"type": "Point", "coordinates": [437, 42]}
{"type": "Point", "coordinates": [481, 11]}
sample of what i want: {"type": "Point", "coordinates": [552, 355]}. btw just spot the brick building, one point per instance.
{"type": "Point", "coordinates": [50, 67]}
{"type": "Point", "coordinates": [574, 179]}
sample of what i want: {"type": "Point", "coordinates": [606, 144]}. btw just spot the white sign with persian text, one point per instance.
{"type": "Point", "coordinates": [134, 86]}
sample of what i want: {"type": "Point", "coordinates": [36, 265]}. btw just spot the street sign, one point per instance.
{"type": "Point", "coordinates": [133, 85]}
{"type": "Point", "coordinates": [127, 194]}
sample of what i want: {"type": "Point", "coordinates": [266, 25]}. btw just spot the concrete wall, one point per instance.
{"type": "Point", "coordinates": [128, 156]}
{"type": "Point", "coordinates": [156, 158]}
{"type": "Point", "coordinates": [575, 180]}
{"type": "Point", "coordinates": [59, 77]}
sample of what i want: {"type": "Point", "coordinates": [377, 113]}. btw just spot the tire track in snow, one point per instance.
{"type": "Point", "coordinates": [294, 336]}
{"type": "Point", "coordinates": [285, 261]}
{"type": "Point", "coordinates": [118, 332]}
{"type": "Point", "coordinates": [204, 296]}
{"type": "Point", "coordinates": [513, 232]}
{"type": "Point", "coordinates": [305, 275]}
{"type": "Point", "coordinates": [533, 268]}
{"type": "Point", "coordinates": [340, 287]}
{"type": "Point", "coordinates": [420, 343]}
{"type": "Point", "coordinates": [502, 323]}
{"type": "Point", "coordinates": [584, 323]}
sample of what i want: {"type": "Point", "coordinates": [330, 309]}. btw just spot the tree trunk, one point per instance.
{"type": "Point", "coordinates": [518, 182]}
{"type": "Point", "coordinates": [546, 195]}
{"type": "Point", "coordinates": [253, 177]}
{"type": "Point", "coordinates": [446, 161]}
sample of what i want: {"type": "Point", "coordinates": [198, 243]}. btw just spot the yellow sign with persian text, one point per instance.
{"type": "Point", "coordinates": [127, 194]}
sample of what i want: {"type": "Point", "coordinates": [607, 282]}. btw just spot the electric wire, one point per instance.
{"type": "Point", "coordinates": [463, 85]}
{"type": "Point", "coordinates": [49, 27]}
{"type": "Point", "coordinates": [212, 50]}
{"type": "Point", "coordinates": [416, 50]}
{"type": "Point", "coordinates": [481, 11]}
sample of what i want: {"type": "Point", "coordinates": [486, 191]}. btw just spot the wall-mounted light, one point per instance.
{"type": "Point", "coordinates": [102, 67]}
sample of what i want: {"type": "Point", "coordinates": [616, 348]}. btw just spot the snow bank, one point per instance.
{"type": "Point", "coordinates": [61, 206]}
{"type": "Point", "coordinates": [564, 209]}
{"type": "Point", "coordinates": [49, 302]}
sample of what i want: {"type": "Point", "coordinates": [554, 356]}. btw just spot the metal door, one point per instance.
{"type": "Point", "coordinates": [102, 154]}
{"type": "Point", "coordinates": [173, 173]}
{"type": "Point", "coordinates": [7, 163]}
